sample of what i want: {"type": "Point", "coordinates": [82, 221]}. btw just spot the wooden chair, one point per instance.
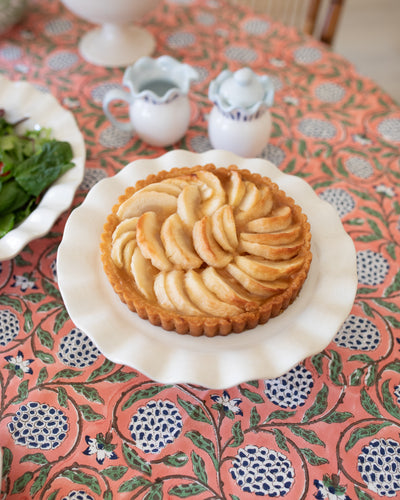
{"type": "Point", "coordinates": [318, 18]}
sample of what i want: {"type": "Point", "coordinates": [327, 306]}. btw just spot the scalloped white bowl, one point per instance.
{"type": "Point", "coordinates": [267, 351]}
{"type": "Point", "coordinates": [21, 99]}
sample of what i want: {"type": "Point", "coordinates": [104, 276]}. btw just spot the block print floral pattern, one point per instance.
{"type": "Point", "coordinates": [76, 426]}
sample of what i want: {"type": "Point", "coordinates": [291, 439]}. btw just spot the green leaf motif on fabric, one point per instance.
{"type": "Point", "coordinates": [279, 415]}
{"type": "Point", "coordinates": [45, 357]}
{"type": "Point", "coordinates": [155, 492]}
{"type": "Point", "coordinates": [90, 393]}
{"type": "Point", "coordinates": [319, 406]}
{"type": "Point", "coordinates": [5, 300]}
{"type": "Point", "coordinates": [388, 402]}
{"type": "Point", "coordinates": [61, 318]}
{"type": "Point", "coordinates": [28, 323]}
{"type": "Point", "coordinates": [104, 369]}
{"type": "Point", "coordinates": [237, 434]}
{"type": "Point", "coordinates": [356, 376]}
{"type": "Point", "coordinates": [35, 458]}
{"type": "Point", "coordinates": [135, 461]}
{"type": "Point", "coordinates": [62, 397]}
{"type": "Point", "coordinates": [364, 432]}
{"type": "Point", "coordinates": [40, 480]}
{"type": "Point", "coordinates": [120, 376]}
{"type": "Point", "coordinates": [133, 484]}
{"type": "Point", "coordinates": [194, 411]}
{"type": "Point", "coordinates": [252, 396]}
{"type": "Point", "coordinates": [187, 490]}
{"type": "Point", "coordinates": [43, 375]}
{"type": "Point", "coordinates": [89, 414]}
{"type": "Point", "coordinates": [335, 368]}
{"type": "Point", "coordinates": [22, 391]}
{"type": "Point", "coordinates": [307, 434]}
{"type": "Point", "coordinates": [21, 482]}
{"type": "Point", "coordinates": [313, 458]}
{"type": "Point", "coordinates": [317, 362]}
{"type": "Point", "coordinates": [114, 472]}
{"type": "Point", "coordinates": [369, 405]}
{"type": "Point", "coordinates": [148, 393]}
{"type": "Point", "coordinates": [68, 373]}
{"type": "Point", "coordinates": [178, 459]}
{"type": "Point", "coordinates": [79, 477]}
{"type": "Point", "coordinates": [199, 467]}
{"type": "Point", "coordinates": [254, 417]}
{"type": "Point", "coordinates": [45, 338]}
{"type": "Point", "coordinates": [204, 444]}
{"type": "Point", "coordinates": [280, 439]}
{"type": "Point", "coordinates": [337, 417]}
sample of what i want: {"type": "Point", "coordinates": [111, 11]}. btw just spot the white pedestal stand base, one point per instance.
{"type": "Point", "coordinates": [115, 45]}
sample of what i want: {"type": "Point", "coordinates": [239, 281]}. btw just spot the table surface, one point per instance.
{"type": "Point", "coordinates": [86, 428]}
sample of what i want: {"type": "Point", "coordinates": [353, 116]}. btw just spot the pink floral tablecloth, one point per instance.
{"type": "Point", "coordinates": [74, 425]}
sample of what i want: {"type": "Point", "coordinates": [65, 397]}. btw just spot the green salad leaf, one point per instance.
{"type": "Point", "coordinates": [29, 163]}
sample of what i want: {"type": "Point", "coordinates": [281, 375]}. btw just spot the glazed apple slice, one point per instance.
{"type": "Point", "coordinates": [161, 292]}
{"type": "Point", "coordinates": [117, 250]}
{"type": "Point", "coordinates": [206, 245]}
{"type": "Point", "coordinates": [124, 226]}
{"type": "Point", "coordinates": [283, 237]}
{"type": "Point", "coordinates": [278, 220]}
{"type": "Point", "coordinates": [175, 289]}
{"type": "Point", "coordinates": [178, 244]}
{"type": "Point", "coordinates": [213, 193]}
{"type": "Point", "coordinates": [254, 286]}
{"type": "Point", "coordinates": [147, 201]}
{"type": "Point", "coordinates": [226, 291]}
{"type": "Point", "coordinates": [236, 189]}
{"type": "Point", "coordinates": [148, 239]}
{"type": "Point", "coordinates": [268, 270]}
{"type": "Point", "coordinates": [259, 204]}
{"type": "Point", "coordinates": [224, 228]}
{"type": "Point", "coordinates": [143, 273]}
{"type": "Point", "coordinates": [272, 252]}
{"type": "Point", "coordinates": [188, 205]}
{"type": "Point", "coordinates": [204, 299]}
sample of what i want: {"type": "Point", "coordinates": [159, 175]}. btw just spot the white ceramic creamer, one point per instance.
{"type": "Point", "coordinates": [159, 107]}
{"type": "Point", "coordinates": [240, 120]}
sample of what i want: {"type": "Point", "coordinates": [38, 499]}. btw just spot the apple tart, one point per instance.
{"type": "Point", "coordinates": [206, 250]}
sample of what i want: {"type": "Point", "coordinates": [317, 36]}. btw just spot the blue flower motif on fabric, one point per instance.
{"type": "Point", "coordinates": [101, 447]}
{"type": "Point", "coordinates": [9, 327]}
{"type": "Point", "coordinates": [227, 404]}
{"type": "Point", "coordinates": [155, 425]}
{"type": "Point", "coordinates": [379, 466]}
{"type": "Point", "coordinates": [18, 365]}
{"type": "Point", "coordinates": [385, 191]}
{"type": "Point", "coordinates": [78, 495]}
{"type": "Point", "coordinates": [340, 199]}
{"type": "Point", "coordinates": [397, 393]}
{"type": "Point", "coordinates": [24, 282]}
{"type": "Point", "coordinates": [37, 425]}
{"type": "Point", "coordinates": [77, 350]}
{"type": "Point", "coordinates": [92, 176]}
{"type": "Point", "coordinates": [358, 333]}
{"type": "Point", "coordinates": [329, 488]}
{"type": "Point", "coordinates": [290, 390]}
{"type": "Point", "coordinates": [372, 267]}
{"type": "Point", "coordinates": [317, 128]}
{"type": "Point", "coordinates": [262, 471]}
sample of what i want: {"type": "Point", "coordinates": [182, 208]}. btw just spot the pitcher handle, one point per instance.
{"type": "Point", "coordinates": [117, 95]}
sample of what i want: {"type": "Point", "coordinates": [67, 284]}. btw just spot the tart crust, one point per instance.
{"type": "Point", "coordinates": [238, 258]}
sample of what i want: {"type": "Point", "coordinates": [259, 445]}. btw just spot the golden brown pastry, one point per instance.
{"type": "Point", "coordinates": [206, 250]}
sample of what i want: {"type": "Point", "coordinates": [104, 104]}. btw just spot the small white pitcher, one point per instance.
{"type": "Point", "coordinates": [240, 120]}
{"type": "Point", "coordinates": [159, 107]}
